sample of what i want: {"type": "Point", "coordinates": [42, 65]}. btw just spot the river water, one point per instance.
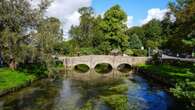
{"type": "Point", "coordinates": [67, 94]}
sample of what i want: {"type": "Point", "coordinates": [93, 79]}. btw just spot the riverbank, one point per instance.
{"type": "Point", "coordinates": [170, 74]}
{"type": "Point", "coordinates": [180, 80]}
{"type": "Point", "coordinates": [11, 80]}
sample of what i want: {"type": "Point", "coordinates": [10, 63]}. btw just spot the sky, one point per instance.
{"type": "Point", "coordinates": [139, 11]}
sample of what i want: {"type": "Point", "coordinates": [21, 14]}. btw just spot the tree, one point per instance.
{"type": "Point", "coordinates": [135, 42]}
{"type": "Point", "coordinates": [105, 47]}
{"type": "Point", "coordinates": [152, 44]}
{"type": "Point", "coordinates": [138, 31]}
{"type": "Point", "coordinates": [113, 27]}
{"type": "Point", "coordinates": [48, 36]}
{"type": "Point", "coordinates": [153, 33]}
{"type": "Point", "coordinates": [83, 33]}
{"type": "Point", "coordinates": [167, 25]}
{"type": "Point", "coordinates": [153, 29]}
{"type": "Point", "coordinates": [184, 11]}
{"type": "Point", "coordinates": [16, 18]}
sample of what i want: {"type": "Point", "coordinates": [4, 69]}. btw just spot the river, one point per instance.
{"type": "Point", "coordinates": [133, 93]}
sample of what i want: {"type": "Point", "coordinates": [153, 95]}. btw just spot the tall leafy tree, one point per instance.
{"type": "Point", "coordinates": [48, 36]}
{"type": "Point", "coordinates": [17, 17]}
{"type": "Point", "coordinates": [153, 33]}
{"type": "Point", "coordinates": [184, 11]}
{"type": "Point", "coordinates": [114, 27]}
{"type": "Point", "coordinates": [135, 42]}
{"type": "Point", "coordinates": [153, 29]}
{"type": "Point", "coordinates": [84, 32]}
{"type": "Point", "coordinates": [136, 30]}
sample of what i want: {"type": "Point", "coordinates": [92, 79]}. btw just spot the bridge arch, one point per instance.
{"type": "Point", "coordinates": [82, 68]}
{"type": "Point", "coordinates": [103, 68]}
{"type": "Point", "coordinates": [124, 67]}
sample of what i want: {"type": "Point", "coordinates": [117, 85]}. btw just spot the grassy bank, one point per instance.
{"type": "Point", "coordinates": [171, 73]}
{"type": "Point", "coordinates": [182, 79]}
{"type": "Point", "coordinates": [13, 79]}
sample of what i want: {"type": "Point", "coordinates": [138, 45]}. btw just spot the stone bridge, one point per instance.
{"type": "Point", "coordinates": [92, 60]}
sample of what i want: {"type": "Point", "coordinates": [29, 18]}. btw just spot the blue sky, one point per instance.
{"type": "Point", "coordinates": [139, 11]}
{"type": "Point", "coordinates": [136, 8]}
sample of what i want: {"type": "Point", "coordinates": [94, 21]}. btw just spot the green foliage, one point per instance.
{"type": "Point", "coordinates": [184, 79]}
{"type": "Point", "coordinates": [82, 68]}
{"type": "Point", "coordinates": [116, 102]}
{"type": "Point", "coordinates": [26, 37]}
{"type": "Point", "coordinates": [113, 27]}
{"type": "Point", "coordinates": [135, 42]}
{"type": "Point", "coordinates": [129, 52]}
{"type": "Point", "coordinates": [138, 31]}
{"type": "Point", "coordinates": [48, 35]}
{"type": "Point", "coordinates": [171, 72]}
{"type": "Point", "coordinates": [103, 68]}
{"type": "Point", "coordinates": [155, 59]}
{"type": "Point", "coordinates": [139, 52]}
{"type": "Point", "coordinates": [37, 69]}
{"type": "Point", "coordinates": [93, 30]}
{"type": "Point", "coordinates": [183, 31]}
{"type": "Point", "coordinates": [152, 44]}
{"type": "Point", "coordinates": [10, 79]}
{"type": "Point", "coordinates": [153, 29]}
{"type": "Point", "coordinates": [105, 47]}
{"type": "Point", "coordinates": [10, 46]}
{"type": "Point", "coordinates": [18, 14]}
{"type": "Point", "coordinates": [119, 89]}
{"type": "Point", "coordinates": [88, 51]}
{"type": "Point", "coordinates": [87, 106]}
{"type": "Point", "coordinates": [185, 92]}
{"type": "Point", "coordinates": [69, 47]}
{"type": "Point", "coordinates": [136, 52]}
{"type": "Point", "coordinates": [87, 34]}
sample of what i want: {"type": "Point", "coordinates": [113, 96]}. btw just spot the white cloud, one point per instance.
{"type": "Point", "coordinates": [129, 21]}
{"type": "Point", "coordinates": [67, 12]}
{"type": "Point", "coordinates": [155, 13]}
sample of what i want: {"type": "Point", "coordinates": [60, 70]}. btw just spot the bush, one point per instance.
{"type": "Point", "coordinates": [185, 92]}
{"type": "Point", "coordinates": [139, 52]}
{"type": "Point", "coordinates": [178, 63]}
{"type": "Point", "coordinates": [34, 68]}
{"type": "Point", "coordinates": [129, 52]}
{"type": "Point", "coordinates": [88, 51]}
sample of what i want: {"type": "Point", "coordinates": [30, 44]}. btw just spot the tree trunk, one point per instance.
{"type": "Point", "coordinates": [12, 64]}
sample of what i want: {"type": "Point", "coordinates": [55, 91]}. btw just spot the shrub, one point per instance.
{"type": "Point", "coordinates": [139, 52]}
{"type": "Point", "coordinates": [88, 51]}
{"type": "Point", "coordinates": [129, 52]}
{"type": "Point", "coordinates": [184, 91]}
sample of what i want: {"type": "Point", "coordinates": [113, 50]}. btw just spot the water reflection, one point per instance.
{"type": "Point", "coordinates": [99, 94]}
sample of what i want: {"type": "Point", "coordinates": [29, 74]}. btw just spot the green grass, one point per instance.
{"type": "Point", "coordinates": [10, 79]}
{"type": "Point", "coordinates": [170, 72]}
